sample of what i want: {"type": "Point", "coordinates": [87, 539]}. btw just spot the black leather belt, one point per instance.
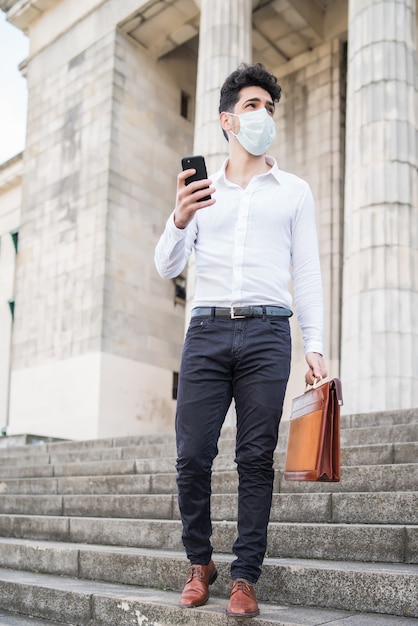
{"type": "Point", "coordinates": [241, 312]}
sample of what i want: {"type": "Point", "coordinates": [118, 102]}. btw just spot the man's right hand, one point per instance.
{"type": "Point", "coordinates": [188, 196]}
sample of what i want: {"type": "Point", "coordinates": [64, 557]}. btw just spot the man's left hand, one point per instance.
{"type": "Point", "coordinates": [317, 368]}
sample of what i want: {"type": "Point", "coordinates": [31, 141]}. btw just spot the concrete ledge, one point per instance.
{"type": "Point", "coordinates": [356, 542]}
{"type": "Point", "coordinates": [100, 462]}
{"type": "Point", "coordinates": [367, 478]}
{"type": "Point", "coordinates": [343, 508]}
{"type": "Point", "coordinates": [17, 442]}
{"type": "Point", "coordinates": [380, 418]}
{"type": "Point", "coordinates": [116, 604]}
{"type": "Point", "coordinates": [12, 619]}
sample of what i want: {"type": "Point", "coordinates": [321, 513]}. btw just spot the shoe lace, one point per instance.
{"type": "Point", "coordinates": [240, 584]}
{"type": "Point", "coordinates": [196, 571]}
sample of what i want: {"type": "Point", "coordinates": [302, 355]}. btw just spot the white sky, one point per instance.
{"type": "Point", "coordinates": [14, 47]}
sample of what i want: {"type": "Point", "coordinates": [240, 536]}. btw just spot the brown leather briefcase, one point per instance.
{"type": "Point", "coordinates": [313, 446]}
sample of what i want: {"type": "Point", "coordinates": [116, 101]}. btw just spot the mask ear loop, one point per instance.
{"type": "Point", "coordinates": [235, 115]}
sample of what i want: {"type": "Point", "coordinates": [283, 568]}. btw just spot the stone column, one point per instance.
{"type": "Point", "coordinates": [379, 363]}
{"type": "Point", "coordinates": [224, 43]}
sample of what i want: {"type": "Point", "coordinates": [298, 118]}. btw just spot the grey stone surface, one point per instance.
{"type": "Point", "coordinates": [30, 486]}
{"type": "Point", "coordinates": [372, 183]}
{"type": "Point", "coordinates": [127, 532]}
{"type": "Point", "coordinates": [372, 454]}
{"type": "Point", "coordinates": [285, 507]}
{"type": "Point", "coordinates": [90, 454]}
{"type": "Point", "coordinates": [406, 452]}
{"type": "Point", "coordinates": [37, 505]}
{"type": "Point", "coordinates": [94, 468]}
{"type": "Point", "coordinates": [12, 619]}
{"type": "Point", "coordinates": [382, 588]}
{"type": "Point", "coordinates": [368, 478]}
{"type": "Point", "coordinates": [146, 440]}
{"type": "Point", "coordinates": [153, 451]}
{"type": "Point", "coordinates": [376, 508]}
{"type": "Point", "coordinates": [105, 484]}
{"type": "Point", "coordinates": [338, 542]}
{"type": "Point", "coordinates": [43, 601]}
{"type": "Point", "coordinates": [151, 465]}
{"type": "Point", "coordinates": [34, 527]}
{"type": "Point", "coordinates": [9, 446]}
{"type": "Point", "coordinates": [131, 506]}
{"type": "Point", "coordinates": [377, 434]}
{"type": "Point", "coordinates": [380, 418]}
{"type": "Point", "coordinates": [48, 557]}
{"type": "Point", "coordinates": [411, 552]}
{"type": "Point", "coordinates": [28, 459]}
{"type": "Point", "coordinates": [126, 605]}
{"type": "Point", "coordinates": [77, 446]}
{"type": "Point", "coordinates": [340, 546]}
{"type": "Point", "coordinates": [26, 471]}
{"type": "Point", "coordinates": [164, 483]}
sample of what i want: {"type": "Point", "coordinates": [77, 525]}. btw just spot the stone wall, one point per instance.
{"type": "Point", "coordinates": [10, 202]}
{"type": "Point", "coordinates": [97, 333]}
{"type": "Point", "coordinates": [310, 143]}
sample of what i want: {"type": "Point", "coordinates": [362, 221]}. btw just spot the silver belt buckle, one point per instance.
{"type": "Point", "coordinates": [236, 317]}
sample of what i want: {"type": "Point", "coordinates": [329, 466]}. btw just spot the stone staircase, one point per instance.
{"type": "Point", "coordinates": [90, 534]}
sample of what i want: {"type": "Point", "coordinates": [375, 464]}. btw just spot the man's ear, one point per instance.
{"type": "Point", "coordinates": [225, 120]}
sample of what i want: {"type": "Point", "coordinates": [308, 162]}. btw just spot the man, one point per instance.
{"type": "Point", "coordinates": [238, 342]}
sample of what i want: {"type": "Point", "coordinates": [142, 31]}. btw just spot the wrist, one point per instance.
{"type": "Point", "coordinates": [178, 223]}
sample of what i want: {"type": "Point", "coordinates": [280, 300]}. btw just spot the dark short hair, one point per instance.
{"type": "Point", "coordinates": [247, 76]}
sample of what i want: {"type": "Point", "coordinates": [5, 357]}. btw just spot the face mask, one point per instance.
{"type": "Point", "coordinates": [257, 131]}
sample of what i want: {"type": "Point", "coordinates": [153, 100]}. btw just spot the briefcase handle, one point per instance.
{"type": "Point", "coordinates": [334, 383]}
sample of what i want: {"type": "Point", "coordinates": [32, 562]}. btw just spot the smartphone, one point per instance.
{"type": "Point", "coordinates": [197, 163]}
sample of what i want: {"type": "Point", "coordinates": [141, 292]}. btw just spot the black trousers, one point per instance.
{"type": "Point", "coordinates": [248, 360]}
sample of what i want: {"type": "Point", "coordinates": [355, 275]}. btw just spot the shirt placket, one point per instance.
{"type": "Point", "coordinates": [238, 254]}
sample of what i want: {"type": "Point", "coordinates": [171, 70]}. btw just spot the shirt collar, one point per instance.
{"type": "Point", "coordinates": [274, 171]}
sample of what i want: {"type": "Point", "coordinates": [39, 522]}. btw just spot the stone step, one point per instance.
{"type": "Point", "coordinates": [162, 446]}
{"type": "Point", "coordinates": [12, 619]}
{"type": "Point", "coordinates": [24, 459]}
{"type": "Point", "coordinates": [347, 508]}
{"type": "Point", "coordinates": [371, 478]}
{"type": "Point", "coordinates": [379, 434]}
{"type": "Point", "coordinates": [357, 542]}
{"type": "Point", "coordinates": [380, 454]}
{"type": "Point", "coordinates": [372, 454]}
{"type": "Point", "coordinates": [372, 588]}
{"type": "Point", "coordinates": [104, 604]}
{"type": "Point", "coordinates": [77, 445]}
{"type": "Point", "coordinates": [400, 477]}
{"type": "Point", "coordinates": [41, 445]}
{"type": "Point", "coordinates": [380, 418]}
{"type": "Point", "coordinates": [382, 438]}
{"type": "Point", "coordinates": [93, 468]}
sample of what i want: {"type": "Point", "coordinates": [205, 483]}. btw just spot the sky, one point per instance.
{"type": "Point", "coordinates": [14, 48]}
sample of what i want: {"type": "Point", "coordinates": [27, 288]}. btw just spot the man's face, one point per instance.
{"type": "Point", "coordinates": [250, 99]}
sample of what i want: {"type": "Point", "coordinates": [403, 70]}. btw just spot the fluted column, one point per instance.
{"type": "Point", "coordinates": [224, 43]}
{"type": "Point", "coordinates": [379, 352]}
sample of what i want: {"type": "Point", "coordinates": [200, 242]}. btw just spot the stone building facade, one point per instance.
{"type": "Point", "coordinates": [90, 336]}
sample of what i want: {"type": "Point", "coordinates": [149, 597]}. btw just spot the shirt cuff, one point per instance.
{"type": "Point", "coordinates": [176, 233]}
{"type": "Point", "coordinates": [314, 346]}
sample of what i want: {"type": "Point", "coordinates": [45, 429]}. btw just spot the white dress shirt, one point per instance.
{"type": "Point", "coordinates": [245, 245]}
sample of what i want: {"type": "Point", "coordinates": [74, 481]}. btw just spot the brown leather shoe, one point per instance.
{"type": "Point", "coordinates": [242, 602]}
{"type": "Point", "coordinates": [196, 589]}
